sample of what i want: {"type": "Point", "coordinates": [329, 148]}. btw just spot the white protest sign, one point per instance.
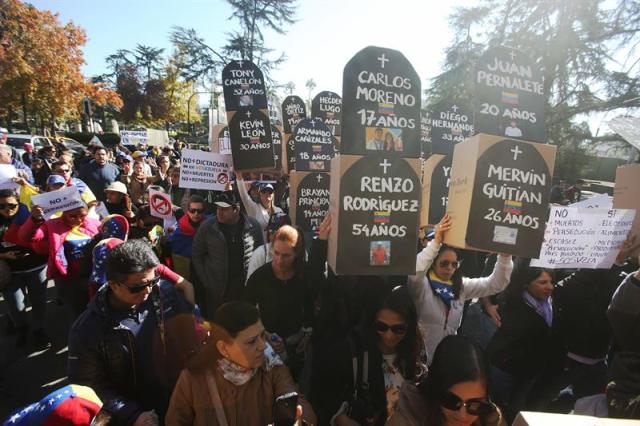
{"type": "Point", "coordinates": [157, 137]}
{"type": "Point", "coordinates": [133, 137]}
{"type": "Point", "coordinates": [602, 201]}
{"type": "Point", "coordinates": [588, 238]}
{"type": "Point", "coordinates": [628, 128]}
{"type": "Point", "coordinates": [160, 204]}
{"type": "Point", "coordinates": [7, 173]}
{"type": "Point", "coordinates": [61, 200]}
{"type": "Point", "coordinates": [204, 170]}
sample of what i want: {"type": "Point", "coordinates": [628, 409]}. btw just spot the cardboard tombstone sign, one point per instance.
{"type": "Point", "coordinates": [499, 195]}
{"type": "Point", "coordinates": [214, 138]}
{"type": "Point", "coordinates": [375, 201]}
{"type": "Point", "coordinates": [293, 110]}
{"type": "Point", "coordinates": [275, 110]}
{"type": "Point", "coordinates": [243, 85]}
{"type": "Point", "coordinates": [314, 145]}
{"type": "Point", "coordinates": [251, 143]}
{"type": "Point", "coordinates": [509, 96]}
{"type": "Point", "coordinates": [276, 140]}
{"type": "Point", "coordinates": [224, 140]}
{"type": "Point", "coordinates": [425, 134]}
{"type": "Point", "coordinates": [327, 106]}
{"type": "Point", "coordinates": [625, 196]}
{"type": "Point", "coordinates": [450, 123]}
{"type": "Point", "coordinates": [436, 176]}
{"type": "Point", "coordinates": [380, 104]}
{"type": "Point", "coordinates": [309, 199]}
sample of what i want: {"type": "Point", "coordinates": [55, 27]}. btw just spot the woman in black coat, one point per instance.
{"type": "Point", "coordinates": [526, 350]}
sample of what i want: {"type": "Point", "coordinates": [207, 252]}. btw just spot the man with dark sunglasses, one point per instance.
{"type": "Point", "coordinates": [128, 343]}
{"type": "Point", "coordinates": [181, 240]}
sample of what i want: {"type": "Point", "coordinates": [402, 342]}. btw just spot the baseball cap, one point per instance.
{"type": "Point", "coordinates": [255, 184]}
{"type": "Point", "coordinates": [28, 147]}
{"type": "Point", "coordinates": [117, 187]}
{"type": "Point", "coordinates": [138, 154]}
{"type": "Point", "coordinates": [227, 199]}
{"type": "Point", "coordinates": [277, 220]}
{"type": "Point", "coordinates": [55, 180]}
{"type": "Point", "coordinates": [267, 187]}
{"type": "Point", "coordinates": [127, 158]}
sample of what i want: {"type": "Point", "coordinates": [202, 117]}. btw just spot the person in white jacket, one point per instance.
{"type": "Point", "coordinates": [260, 211]}
{"type": "Point", "coordinates": [439, 290]}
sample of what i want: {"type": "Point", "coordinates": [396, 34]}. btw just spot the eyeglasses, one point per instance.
{"type": "Point", "coordinates": [445, 264]}
{"type": "Point", "coordinates": [138, 288]}
{"type": "Point", "coordinates": [9, 206]}
{"type": "Point", "coordinates": [382, 327]}
{"type": "Point", "coordinates": [475, 407]}
{"type": "Point", "coordinates": [196, 211]}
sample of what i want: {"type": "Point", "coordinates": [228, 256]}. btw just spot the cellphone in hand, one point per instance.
{"type": "Point", "coordinates": [285, 409]}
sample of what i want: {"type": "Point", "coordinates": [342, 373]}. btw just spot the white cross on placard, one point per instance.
{"type": "Point", "coordinates": [249, 114]}
{"type": "Point", "coordinates": [516, 151]}
{"type": "Point", "coordinates": [240, 63]}
{"type": "Point", "coordinates": [513, 55]}
{"type": "Point", "coordinates": [384, 165]}
{"type": "Point", "coordinates": [313, 123]}
{"type": "Point", "coordinates": [319, 177]}
{"type": "Point", "coordinates": [383, 60]}
{"type": "Point", "coordinates": [455, 108]}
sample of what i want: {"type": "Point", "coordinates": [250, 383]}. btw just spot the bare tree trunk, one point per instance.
{"type": "Point", "coordinates": [24, 111]}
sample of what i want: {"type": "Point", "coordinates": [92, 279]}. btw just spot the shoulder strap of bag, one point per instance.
{"type": "Point", "coordinates": [215, 399]}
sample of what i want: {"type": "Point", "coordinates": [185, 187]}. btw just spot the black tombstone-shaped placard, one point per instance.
{"type": "Point", "coordinates": [251, 143]}
{"type": "Point", "coordinates": [314, 146]}
{"type": "Point", "coordinates": [293, 110]}
{"type": "Point", "coordinates": [510, 199]}
{"type": "Point", "coordinates": [327, 106]}
{"type": "Point", "coordinates": [380, 104]}
{"type": "Point", "coordinates": [378, 219]}
{"type": "Point", "coordinates": [312, 201]}
{"type": "Point", "coordinates": [509, 96]}
{"type": "Point", "coordinates": [243, 86]}
{"type": "Point", "coordinates": [440, 180]}
{"type": "Point", "coordinates": [276, 140]}
{"type": "Point", "coordinates": [450, 123]}
{"type": "Point", "coordinates": [224, 141]}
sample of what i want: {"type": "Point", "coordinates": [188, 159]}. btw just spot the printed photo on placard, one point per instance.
{"type": "Point", "coordinates": [381, 139]}
{"type": "Point", "coordinates": [509, 95]}
{"type": "Point", "coordinates": [380, 253]}
{"type": "Point", "coordinates": [243, 86]}
{"type": "Point", "coordinates": [380, 89]}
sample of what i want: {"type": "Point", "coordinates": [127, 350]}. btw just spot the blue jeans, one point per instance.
{"type": "Point", "coordinates": [35, 283]}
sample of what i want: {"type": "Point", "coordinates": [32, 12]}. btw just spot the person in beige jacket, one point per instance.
{"type": "Point", "coordinates": [235, 378]}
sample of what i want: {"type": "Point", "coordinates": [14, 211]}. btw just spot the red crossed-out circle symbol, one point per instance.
{"type": "Point", "coordinates": [161, 204]}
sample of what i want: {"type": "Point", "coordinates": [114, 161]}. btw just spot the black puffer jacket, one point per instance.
{"type": "Point", "coordinates": [103, 353]}
{"type": "Point", "coordinates": [524, 345]}
{"type": "Point", "coordinates": [210, 261]}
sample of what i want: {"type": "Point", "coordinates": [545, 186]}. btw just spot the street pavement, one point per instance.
{"type": "Point", "coordinates": [28, 374]}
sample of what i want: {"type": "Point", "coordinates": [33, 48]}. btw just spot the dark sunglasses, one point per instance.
{"type": "Point", "coordinates": [382, 327]}
{"type": "Point", "coordinates": [10, 206]}
{"type": "Point", "coordinates": [194, 211]}
{"type": "Point", "coordinates": [138, 288]}
{"type": "Point", "coordinates": [475, 407]}
{"type": "Point", "coordinates": [446, 263]}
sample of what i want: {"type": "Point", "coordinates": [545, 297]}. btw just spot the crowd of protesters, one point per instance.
{"type": "Point", "coordinates": [227, 316]}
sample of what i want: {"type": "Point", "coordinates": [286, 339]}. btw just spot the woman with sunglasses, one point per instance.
{"type": "Point", "coordinates": [236, 378]}
{"type": "Point", "coordinates": [262, 209]}
{"type": "Point", "coordinates": [526, 352]}
{"type": "Point", "coordinates": [359, 382]}
{"type": "Point", "coordinates": [66, 240]}
{"type": "Point", "coordinates": [454, 392]}
{"type": "Point", "coordinates": [439, 290]}
{"type": "Point", "coordinates": [24, 270]}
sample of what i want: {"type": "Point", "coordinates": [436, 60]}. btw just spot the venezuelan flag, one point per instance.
{"type": "Point", "coordinates": [510, 98]}
{"type": "Point", "coordinates": [385, 109]}
{"type": "Point", "coordinates": [513, 207]}
{"type": "Point", "coordinates": [317, 149]}
{"type": "Point", "coordinates": [382, 217]}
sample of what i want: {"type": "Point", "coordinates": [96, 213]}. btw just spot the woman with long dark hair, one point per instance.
{"type": "Point", "coordinates": [454, 392]}
{"type": "Point", "coordinates": [439, 290]}
{"type": "Point", "coordinates": [359, 381]}
{"type": "Point", "coordinates": [526, 351]}
{"type": "Point", "coordinates": [235, 378]}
